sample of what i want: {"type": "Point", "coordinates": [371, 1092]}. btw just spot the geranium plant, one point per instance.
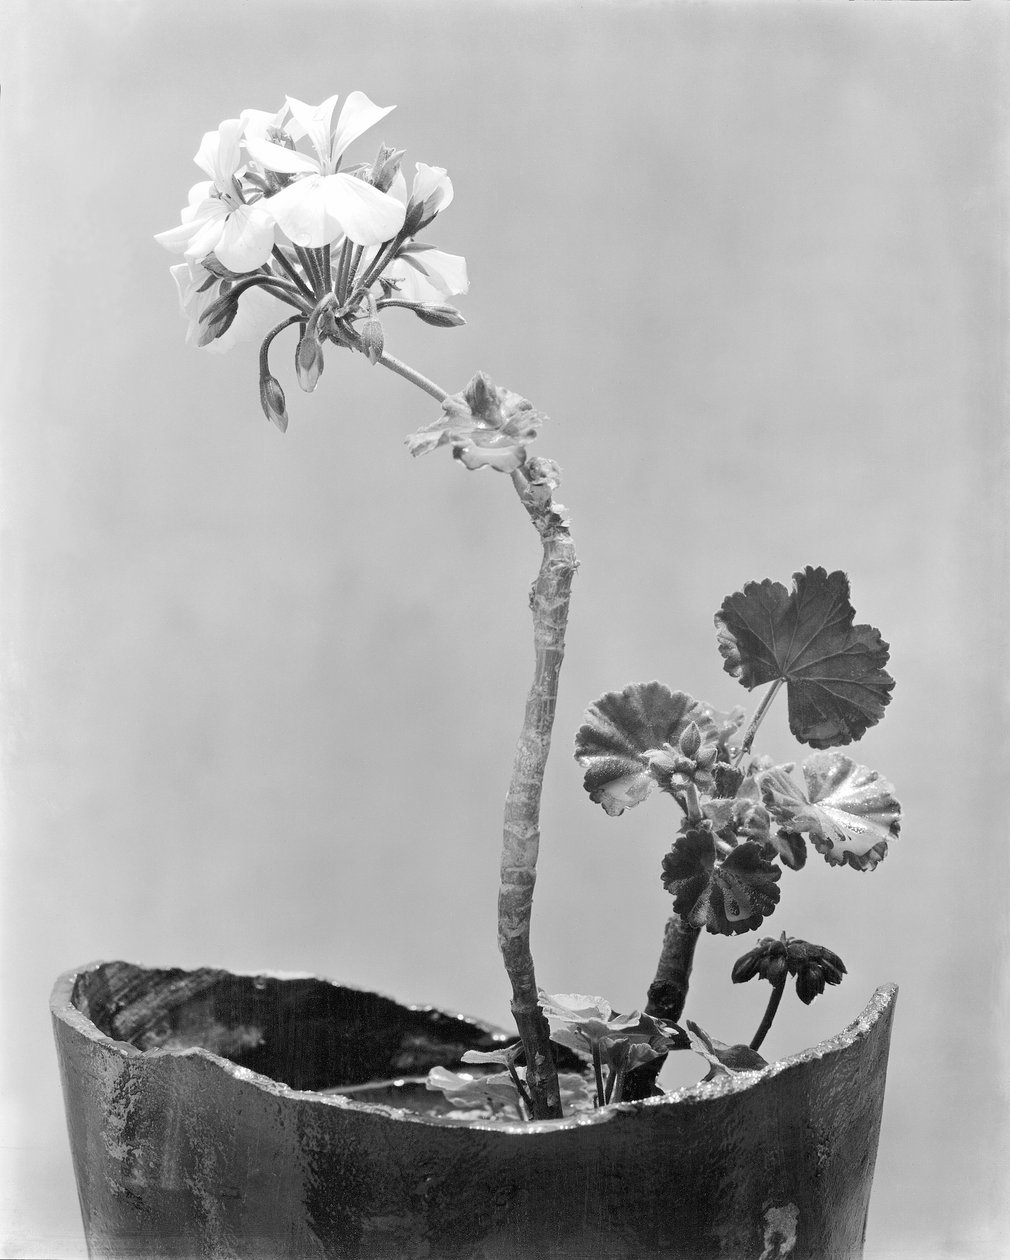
{"type": "Point", "coordinates": [288, 232]}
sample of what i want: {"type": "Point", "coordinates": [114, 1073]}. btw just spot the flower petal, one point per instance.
{"type": "Point", "coordinates": [301, 211]}
{"type": "Point", "coordinates": [356, 116]}
{"type": "Point", "coordinates": [433, 182]}
{"type": "Point", "coordinates": [220, 153]}
{"type": "Point", "coordinates": [276, 157]}
{"type": "Point", "coordinates": [366, 215]}
{"type": "Point", "coordinates": [313, 121]}
{"type": "Point", "coordinates": [247, 238]}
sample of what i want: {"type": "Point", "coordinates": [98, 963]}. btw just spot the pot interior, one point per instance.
{"type": "Point", "coordinates": [306, 1033]}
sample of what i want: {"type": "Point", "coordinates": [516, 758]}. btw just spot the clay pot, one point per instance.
{"type": "Point", "coordinates": [201, 1127]}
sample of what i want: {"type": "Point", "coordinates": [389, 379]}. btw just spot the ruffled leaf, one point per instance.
{"type": "Point", "coordinates": [836, 682]}
{"type": "Point", "coordinates": [624, 735]}
{"type": "Point", "coordinates": [726, 897]}
{"type": "Point", "coordinates": [486, 427]}
{"type": "Point", "coordinates": [848, 812]}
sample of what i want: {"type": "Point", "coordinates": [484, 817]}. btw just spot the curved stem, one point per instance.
{"type": "Point", "coordinates": [549, 602]}
{"type": "Point", "coordinates": [778, 988]}
{"type": "Point", "coordinates": [268, 341]}
{"type": "Point", "coordinates": [415, 378]}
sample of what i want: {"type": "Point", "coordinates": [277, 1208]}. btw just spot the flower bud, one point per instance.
{"type": "Point", "coordinates": [272, 402]}
{"type": "Point", "coordinates": [440, 316]}
{"type": "Point", "coordinates": [217, 319]}
{"type": "Point", "coordinates": [385, 167]}
{"type": "Point", "coordinates": [690, 740]}
{"type": "Point", "coordinates": [309, 362]}
{"type": "Point", "coordinates": [371, 339]}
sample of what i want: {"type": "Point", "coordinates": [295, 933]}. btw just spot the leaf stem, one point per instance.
{"type": "Point", "coordinates": [601, 1095]}
{"type": "Point", "coordinates": [778, 988]}
{"type": "Point", "coordinates": [757, 719]}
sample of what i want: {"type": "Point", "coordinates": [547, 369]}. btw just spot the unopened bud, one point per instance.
{"type": "Point", "coordinates": [371, 339]}
{"type": "Point", "coordinates": [272, 402]}
{"type": "Point", "coordinates": [309, 362]}
{"type": "Point", "coordinates": [690, 740]}
{"type": "Point", "coordinates": [384, 169]}
{"type": "Point", "coordinates": [440, 316]}
{"type": "Point", "coordinates": [217, 319]}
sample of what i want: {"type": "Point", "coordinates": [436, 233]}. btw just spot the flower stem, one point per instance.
{"type": "Point", "coordinates": [281, 257]}
{"type": "Point", "coordinates": [342, 266]}
{"type": "Point", "coordinates": [415, 378]}
{"type": "Point", "coordinates": [778, 988]}
{"type": "Point", "coordinates": [758, 718]}
{"type": "Point", "coordinates": [268, 341]}
{"type": "Point", "coordinates": [307, 258]}
{"type": "Point", "coordinates": [381, 260]}
{"type": "Point", "coordinates": [549, 602]}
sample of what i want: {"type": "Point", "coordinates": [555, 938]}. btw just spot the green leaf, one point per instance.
{"type": "Point", "coordinates": [836, 682]}
{"type": "Point", "coordinates": [848, 811]}
{"type": "Point", "coordinates": [727, 897]}
{"type": "Point", "coordinates": [628, 740]}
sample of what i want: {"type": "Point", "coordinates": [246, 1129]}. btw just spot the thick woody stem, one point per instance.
{"type": "Point", "coordinates": [667, 995]}
{"type": "Point", "coordinates": [668, 991]}
{"type": "Point", "coordinates": [521, 833]}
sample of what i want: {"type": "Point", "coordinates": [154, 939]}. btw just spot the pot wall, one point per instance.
{"type": "Point", "coordinates": [196, 1130]}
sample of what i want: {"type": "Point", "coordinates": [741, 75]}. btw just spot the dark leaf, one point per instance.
{"type": "Point", "coordinates": [836, 682]}
{"type": "Point", "coordinates": [727, 897]}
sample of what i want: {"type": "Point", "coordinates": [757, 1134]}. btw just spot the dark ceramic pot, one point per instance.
{"type": "Point", "coordinates": [201, 1126]}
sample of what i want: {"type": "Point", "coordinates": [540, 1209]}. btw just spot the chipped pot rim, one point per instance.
{"type": "Point", "coordinates": [62, 1008]}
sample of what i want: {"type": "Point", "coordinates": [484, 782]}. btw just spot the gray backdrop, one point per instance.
{"type": "Point", "coordinates": [261, 692]}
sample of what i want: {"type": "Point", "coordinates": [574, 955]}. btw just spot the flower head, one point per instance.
{"type": "Point", "coordinates": [282, 232]}
{"type": "Point", "coordinates": [772, 959]}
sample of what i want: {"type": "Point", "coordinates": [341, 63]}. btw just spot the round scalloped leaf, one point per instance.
{"type": "Point", "coordinates": [726, 897]}
{"type": "Point", "coordinates": [848, 811]}
{"type": "Point", "coordinates": [621, 728]}
{"type": "Point", "coordinates": [834, 671]}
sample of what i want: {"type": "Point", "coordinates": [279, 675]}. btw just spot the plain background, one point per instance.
{"type": "Point", "coordinates": [261, 692]}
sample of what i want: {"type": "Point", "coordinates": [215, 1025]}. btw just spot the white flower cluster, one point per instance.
{"type": "Point", "coordinates": [282, 232]}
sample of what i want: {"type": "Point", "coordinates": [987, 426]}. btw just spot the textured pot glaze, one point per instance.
{"type": "Point", "coordinates": [198, 1129]}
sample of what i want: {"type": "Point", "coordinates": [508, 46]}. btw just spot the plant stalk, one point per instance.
{"type": "Point", "coordinates": [549, 602]}
{"type": "Point", "coordinates": [667, 995]}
